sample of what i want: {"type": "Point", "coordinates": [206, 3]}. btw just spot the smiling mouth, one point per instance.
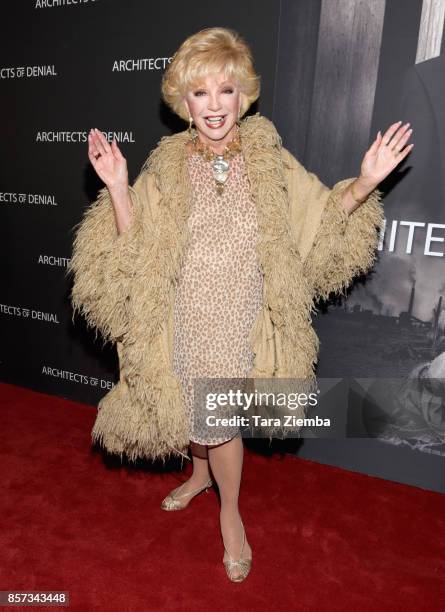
{"type": "Point", "coordinates": [215, 121]}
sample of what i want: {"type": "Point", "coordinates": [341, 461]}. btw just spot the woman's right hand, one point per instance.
{"type": "Point", "coordinates": [108, 161]}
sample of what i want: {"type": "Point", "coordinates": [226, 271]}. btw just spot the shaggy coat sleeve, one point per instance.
{"type": "Point", "coordinates": [334, 246]}
{"type": "Point", "coordinates": [102, 260]}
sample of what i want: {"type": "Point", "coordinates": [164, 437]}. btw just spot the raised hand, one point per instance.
{"type": "Point", "coordinates": [107, 160]}
{"type": "Point", "coordinates": [385, 153]}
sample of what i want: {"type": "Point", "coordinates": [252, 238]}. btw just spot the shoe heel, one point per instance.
{"type": "Point", "coordinates": [172, 503]}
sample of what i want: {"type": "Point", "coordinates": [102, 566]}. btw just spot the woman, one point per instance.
{"type": "Point", "coordinates": [209, 264]}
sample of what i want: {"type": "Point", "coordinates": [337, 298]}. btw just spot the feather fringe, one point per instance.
{"type": "Point", "coordinates": [122, 287]}
{"type": "Point", "coordinates": [345, 245]}
{"type": "Point", "coordinates": [287, 295]}
{"type": "Point", "coordinates": [102, 266]}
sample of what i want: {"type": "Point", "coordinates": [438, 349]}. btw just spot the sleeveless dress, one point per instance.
{"type": "Point", "coordinates": [219, 292]}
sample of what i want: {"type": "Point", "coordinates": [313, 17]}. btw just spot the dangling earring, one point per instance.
{"type": "Point", "coordinates": [238, 121]}
{"type": "Point", "coordinates": [190, 126]}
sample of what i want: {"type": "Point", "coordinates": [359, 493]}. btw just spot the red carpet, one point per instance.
{"type": "Point", "coordinates": [323, 538]}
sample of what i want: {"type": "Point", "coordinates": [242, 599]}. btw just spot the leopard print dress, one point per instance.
{"type": "Point", "coordinates": [219, 292]}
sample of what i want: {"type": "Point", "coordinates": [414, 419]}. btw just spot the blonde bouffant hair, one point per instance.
{"type": "Point", "coordinates": [210, 51]}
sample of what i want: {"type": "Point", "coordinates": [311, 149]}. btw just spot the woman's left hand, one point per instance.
{"type": "Point", "coordinates": [385, 153]}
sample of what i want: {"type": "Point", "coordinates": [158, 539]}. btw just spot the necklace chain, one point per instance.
{"type": "Point", "coordinates": [221, 161]}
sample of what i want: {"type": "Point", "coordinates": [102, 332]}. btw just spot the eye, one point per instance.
{"type": "Point", "coordinates": [197, 93]}
{"type": "Point", "coordinates": [228, 90]}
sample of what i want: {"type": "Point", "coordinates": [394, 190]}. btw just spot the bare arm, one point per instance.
{"type": "Point", "coordinates": [111, 167]}
{"type": "Point", "coordinates": [122, 206]}
{"type": "Point", "coordinates": [360, 191]}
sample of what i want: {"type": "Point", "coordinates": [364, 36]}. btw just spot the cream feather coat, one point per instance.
{"type": "Point", "coordinates": [124, 285]}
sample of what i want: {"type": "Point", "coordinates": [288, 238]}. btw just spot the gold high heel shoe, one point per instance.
{"type": "Point", "coordinates": [171, 502]}
{"type": "Point", "coordinates": [237, 571]}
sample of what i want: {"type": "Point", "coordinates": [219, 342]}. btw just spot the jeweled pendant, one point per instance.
{"type": "Point", "coordinates": [220, 177]}
{"type": "Point", "coordinates": [220, 165]}
{"type": "Point", "coordinates": [220, 172]}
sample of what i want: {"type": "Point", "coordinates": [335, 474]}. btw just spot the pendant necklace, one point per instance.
{"type": "Point", "coordinates": [220, 162]}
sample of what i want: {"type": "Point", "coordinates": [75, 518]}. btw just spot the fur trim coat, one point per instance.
{"type": "Point", "coordinates": [124, 285]}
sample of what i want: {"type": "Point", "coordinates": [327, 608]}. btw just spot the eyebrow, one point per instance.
{"type": "Point", "coordinates": [222, 85]}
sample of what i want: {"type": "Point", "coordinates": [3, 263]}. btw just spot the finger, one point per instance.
{"type": "Point", "coordinates": [404, 152]}
{"type": "Point", "coordinates": [116, 151]}
{"type": "Point", "coordinates": [375, 145]}
{"type": "Point", "coordinates": [400, 137]}
{"type": "Point", "coordinates": [399, 146]}
{"type": "Point", "coordinates": [92, 153]}
{"type": "Point", "coordinates": [102, 146]}
{"type": "Point", "coordinates": [390, 132]}
{"type": "Point", "coordinates": [92, 149]}
{"type": "Point", "coordinates": [379, 138]}
{"type": "Point", "coordinates": [97, 148]}
{"type": "Point", "coordinates": [121, 156]}
{"type": "Point", "coordinates": [92, 159]}
{"type": "Point", "coordinates": [102, 143]}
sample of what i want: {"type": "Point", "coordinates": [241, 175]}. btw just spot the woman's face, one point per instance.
{"type": "Point", "coordinates": [219, 98]}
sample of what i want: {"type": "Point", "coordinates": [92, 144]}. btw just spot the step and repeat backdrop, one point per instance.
{"type": "Point", "coordinates": [333, 72]}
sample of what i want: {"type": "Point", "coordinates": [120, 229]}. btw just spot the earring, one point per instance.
{"type": "Point", "coordinates": [190, 126]}
{"type": "Point", "coordinates": [238, 121]}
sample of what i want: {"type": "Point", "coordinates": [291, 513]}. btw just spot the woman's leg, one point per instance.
{"type": "Point", "coordinates": [226, 462]}
{"type": "Point", "coordinates": [200, 459]}
{"type": "Point", "coordinates": [201, 473]}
